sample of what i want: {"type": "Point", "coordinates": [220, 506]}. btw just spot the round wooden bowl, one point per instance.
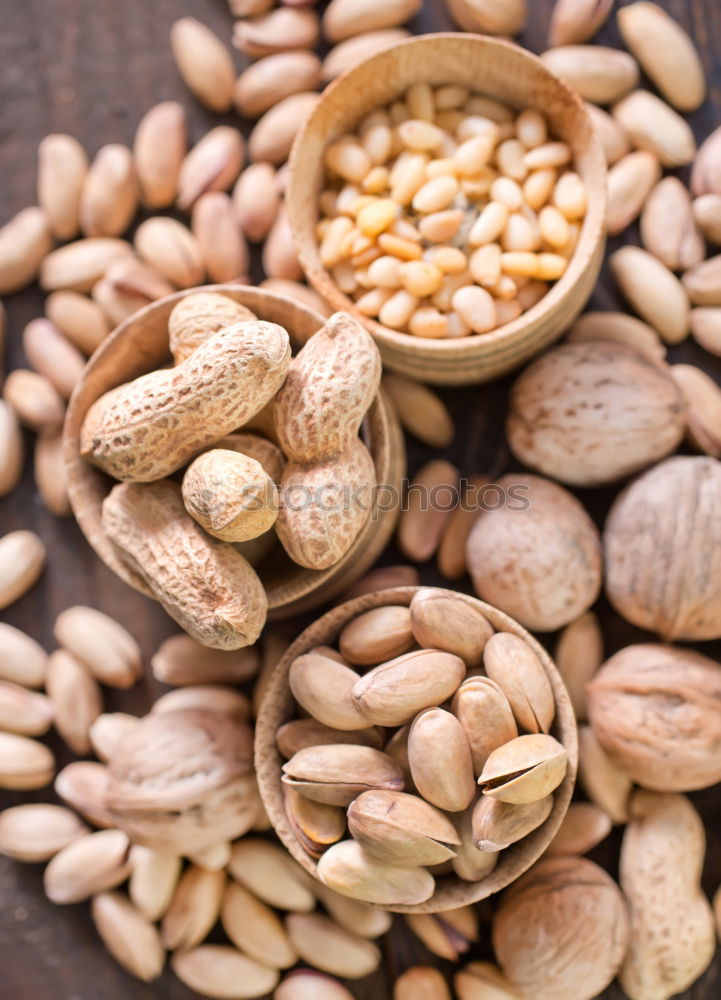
{"type": "Point", "coordinates": [279, 707]}
{"type": "Point", "coordinates": [488, 66]}
{"type": "Point", "coordinates": [139, 345]}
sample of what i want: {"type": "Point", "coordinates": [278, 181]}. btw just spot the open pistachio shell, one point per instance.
{"type": "Point", "coordinates": [525, 769]}
{"type": "Point", "coordinates": [335, 774]}
{"type": "Point", "coordinates": [401, 828]}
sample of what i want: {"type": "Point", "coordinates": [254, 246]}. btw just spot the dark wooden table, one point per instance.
{"type": "Point", "coordinates": [92, 69]}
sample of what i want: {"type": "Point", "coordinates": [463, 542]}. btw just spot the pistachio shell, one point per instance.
{"type": "Point", "coordinates": [255, 929]}
{"type": "Point", "coordinates": [483, 981]}
{"type": "Point", "coordinates": [440, 760]}
{"type": "Point", "coordinates": [301, 733]}
{"type": "Point", "coordinates": [583, 826]}
{"type": "Point", "coordinates": [421, 982]}
{"type": "Point", "coordinates": [363, 918]}
{"type": "Point", "coordinates": [348, 869]}
{"type": "Point", "coordinates": [271, 874]}
{"type": "Point", "coordinates": [324, 688]}
{"type": "Point", "coordinates": [401, 829]}
{"type": "Point", "coordinates": [316, 825]}
{"type": "Point", "coordinates": [470, 864]}
{"type": "Point", "coordinates": [216, 970]}
{"type": "Point", "coordinates": [336, 773]}
{"type": "Point", "coordinates": [377, 635]}
{"type": "Point", "coordinates": [449, 934]}
{"type": "Point", "coordinates": [442, 621]}
{"type": "Point", "coordinates": [603, 782]}
{"type": "Point", "coordinates": [394, 692]}
{"type": "Point", "coordinates": [482, 709]}
{"type": "Point", "coordinates": [325, 946]}
{"type": "Point", "coordinates": [497, 825]}
{"type": "Point", "coordinates": [194, 908]}
{"type": "Point", "coordinates": [525, 769]}
{"type": "Point", "coordinates": [517, 670]}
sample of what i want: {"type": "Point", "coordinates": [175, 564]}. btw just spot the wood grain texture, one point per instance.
{"type": "Point", "coordinates": [93, 69]}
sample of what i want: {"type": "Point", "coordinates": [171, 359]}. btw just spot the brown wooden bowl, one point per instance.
{"type": "Point", "coordinates": [489, 66]}
{"type": "Point", "coordinates": [139, 345]}
{"type": "Point", "coordinates": [279, 706]}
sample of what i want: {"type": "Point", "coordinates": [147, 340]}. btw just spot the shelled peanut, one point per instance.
{"type": "Point", "coordinates": [448, 213]}
{"type": "Point", "coordinates": [380, 781]}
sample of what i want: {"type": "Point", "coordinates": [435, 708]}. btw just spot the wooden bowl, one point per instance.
{"type": "Point", "coordinates": [139, 345]}
{"type": "Point", "coordinates": [489, 66]}
{"type": "Point", "coordinates": [279, 706]}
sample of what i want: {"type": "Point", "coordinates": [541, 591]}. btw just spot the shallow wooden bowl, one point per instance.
{"type": "Point", "coordinates": [488, 66]}
{"type": "Point", "coordinates": [140, 345]}
{"type": "Point", "coordinates": [278, 707]}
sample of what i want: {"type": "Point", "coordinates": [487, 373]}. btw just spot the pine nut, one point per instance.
{"type": "Point", "coordinates": [435, 195]}
{"type": "Point", "coordinates": [476, 308]}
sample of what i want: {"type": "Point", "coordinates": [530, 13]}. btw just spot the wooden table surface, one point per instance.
{"type": "Point", "coordinates": [92, 69]}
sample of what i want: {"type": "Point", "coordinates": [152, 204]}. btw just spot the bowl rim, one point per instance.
{"type": "Point", "coordinates": [277, 706]}
{"type": "Point", "coordinates": [309, 588]}
{"type": "Point", "coordinates": [592, 230]}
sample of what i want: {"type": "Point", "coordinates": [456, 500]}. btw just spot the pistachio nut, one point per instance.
{"type": "Point", "coordinates": [449, 934]}
{"type": "Point", "coordinates": [497, 825]}
{"type": "Point", "coordinates": [514, 666]}
{"type": "Point", "coordinates": [377, 635]}
{"type": "Point", "coordinates": [87, 865]}
{"type": "Point", "coordinates": [362, 918]}
{"type": "Point", "coordinates": [486, 717]}
{"type": "Point", "coordinates": [315, 824]}
{"type": "Point", "coordinates": [323, 687]}
{"type": "Point", "coordinates": [336, 773]}
{"type": "Point", "coordinates": [401, 829]}
{"type": "Point", "coordinates": [83, 784]}
{"type": "Point", "coordinates": [301, 733]}
{"type": "Point", "coordinates": [194, 908]}
{"type": "Point", "coordinates": [440, 760]}
{"type": "Point", "coordinates": [394, 692]}
{"type": "Point", "coordinates": [470, 864]}
{"type": "Point", "coordinates": [583, 826]}
{"type": "Point", "coordinates": [153, 880]}
{"type": "Point", "coordinates": [525, 769]}
{"type": "Point", "coordinates": [483, 981]}
{"type": "Point", "coordinates": [215, 970]}
{"type": "Point", "coordinates": [307, 984]}
{"type": "Point", "coordinates": [449, 622]}
{"type": "Point", "coordinates": [37, 831]}
{"type": "Point", "coordinates": [350, 870]}
{"type": "Point", "coordinates": [255, 929]}
{"type": "Point", "coordinates": [421, 982]}
{"type": "Point", "coordinates": [603, 782]}
{"type": "Point", "coordinates": [270, 873]}
{"type": "Point", "coordinates": [397, 749]}
{"type": "Point", "coordinates": [129, 936]}
{"type": "Point", "coordinates": [324, 945]}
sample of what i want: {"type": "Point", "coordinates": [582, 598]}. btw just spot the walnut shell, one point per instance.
{"type": "Point", "coordinates": [537, 556]}
{"type": "Point", "coordinates": [561, 931]}
{"type": "Point", "coordinates": [656, 711]}
{"type": "Point", "coordinates": [662, 546]}
{"type": "Point", "coordinates": [592, 413]}
{"type": "Point", "coordinates": [183, 780]}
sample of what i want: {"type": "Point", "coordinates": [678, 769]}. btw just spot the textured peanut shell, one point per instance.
{"type": "Point", "coordinates": [206, 586]}
{"type": "Point", "coordinates": [323, 507]}
{"type": "Point", "coordinates": [230, 495]}
{"type": "Point", "coordinates": [150, 427]}
{"type": "Point", "coordinates": [656, 711]}
{"type": "Point", "coordinates": [561, 931]}
{"type": "Point", "coordinates": [673, 936]}
{"type": "Point", "coordinates": [330, 385]}
{"type": "Point", "coordinates": [182, 780]}
{"type": "Point", "coordinates": [199, 316]}
{"type": "Point", "coordinates": [593, 413]}
{"type": "Point", "coordinates": [542, 564]}
{"type": "Point", "coordinates": [662, 546]}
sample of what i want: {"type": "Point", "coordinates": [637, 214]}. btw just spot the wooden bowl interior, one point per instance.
{"type": "Point", "coordinates": [140, 345]}
{"type": "Point", "coordinates": [487, 66]}
{"type": "Point", "coordinates": [278, 707]}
